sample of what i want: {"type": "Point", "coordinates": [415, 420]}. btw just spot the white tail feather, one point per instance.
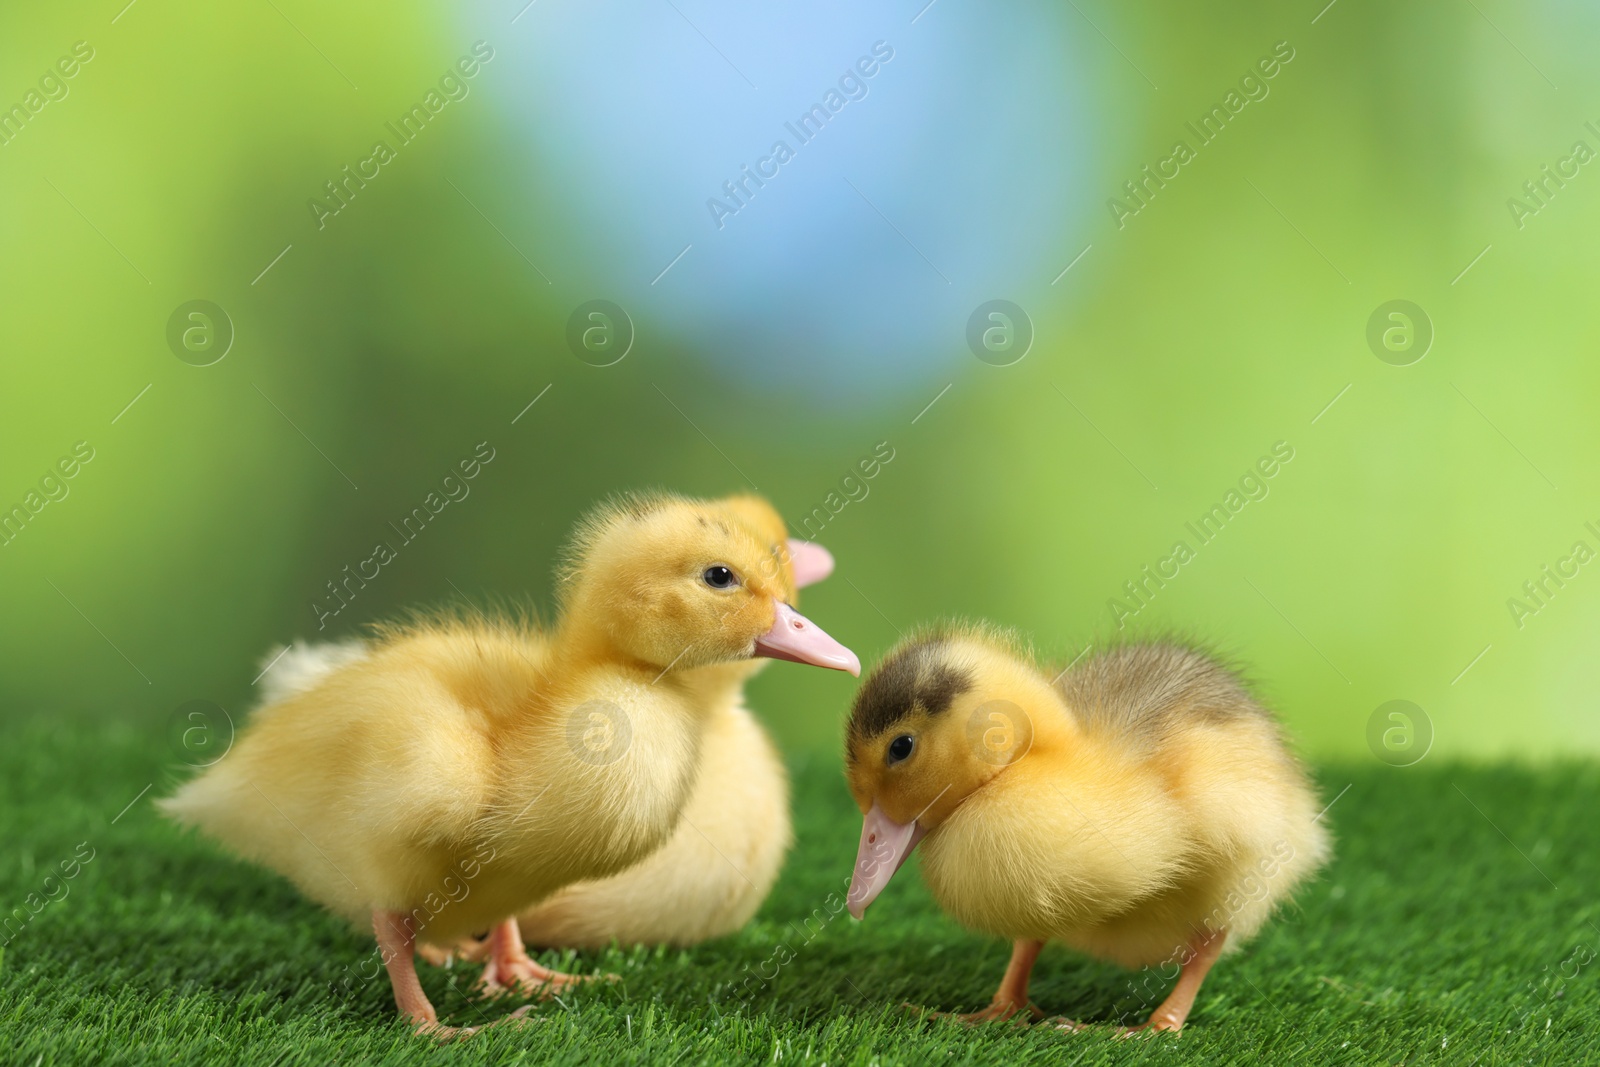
{"type": "Point", "coordinates": [301, 666]}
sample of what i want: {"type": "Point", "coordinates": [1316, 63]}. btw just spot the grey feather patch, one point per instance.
{"type": "Point", "coordinates": [1141, 693]}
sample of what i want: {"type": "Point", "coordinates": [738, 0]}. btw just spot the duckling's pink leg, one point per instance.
{"type": "Point", "coordinates": [1012, 996]}
{"type": "Point", "coordinates": [509, 967]}
{"type": "Point", "coordinates": [1203, 952]}
{"type": "Point", "coordinates": [397, 943]}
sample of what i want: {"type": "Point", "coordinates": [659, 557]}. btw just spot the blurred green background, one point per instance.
{"type": "Point", "coordinates": [1176, 351]}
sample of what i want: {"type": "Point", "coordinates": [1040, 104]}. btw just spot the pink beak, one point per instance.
{"type": "Point", "coordinates": [796, 638]}
{"type": "Point", "coordinates": [885, 844]}
{"type": "Point", "coordinates": [812, 562]}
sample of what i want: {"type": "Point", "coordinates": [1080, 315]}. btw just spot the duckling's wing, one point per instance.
{"type": "Point", "coordinates": [1233, 791]}
{"type": "Point", "coordinates": [712, 873]}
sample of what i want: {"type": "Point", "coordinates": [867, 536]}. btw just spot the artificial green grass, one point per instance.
{"type": "Point", "coordinates": [1457, 925]}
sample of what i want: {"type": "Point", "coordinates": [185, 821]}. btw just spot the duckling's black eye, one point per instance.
{"type": "Point", "coordinates": [900, 748]}
{"type": "Point", "coordinates": [719, 577]}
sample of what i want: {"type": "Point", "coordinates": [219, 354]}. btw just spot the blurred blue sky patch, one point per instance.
{"type": "Point", "coordinates": [953, 174]}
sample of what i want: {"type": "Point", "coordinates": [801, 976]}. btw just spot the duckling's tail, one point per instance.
{"type": "Point", "coordinates": [213, 800]}
{"type": "Point", "coordinates": [295, 669]}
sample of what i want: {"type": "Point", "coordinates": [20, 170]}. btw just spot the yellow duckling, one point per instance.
{"type": "Point", "coordinates": [458, 771]}
{"type": "Point", "coordinates": [718, 866]}
{"type": "Point", "coordinates": [707, 881]}
{"type": "Point", "coordinates": [1142, 809]}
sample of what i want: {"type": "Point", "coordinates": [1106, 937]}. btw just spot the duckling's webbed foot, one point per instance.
{"type": "Point", "coordinates": [1011, 999]}
{"type": "Point", "coordinates": [508, 966]}
{"type": "Point", "coordinates": [443, 1034]}
{"type": "Point", "coordinates": [998, 1011]}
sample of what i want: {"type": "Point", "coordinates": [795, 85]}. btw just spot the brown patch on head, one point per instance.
{"type": "Point", "coordinates": [964, 695]}
{"type": "Point", "coordinates": [915, 677]}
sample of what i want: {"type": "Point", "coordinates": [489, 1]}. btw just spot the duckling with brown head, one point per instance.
{"type": "Point", "coordinates": [1143, 808]}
